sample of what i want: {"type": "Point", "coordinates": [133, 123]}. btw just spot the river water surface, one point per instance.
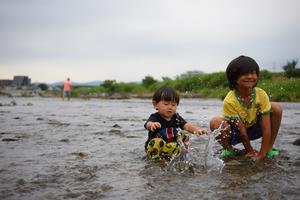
{"type": "Point", "coordinates": [41, 138]}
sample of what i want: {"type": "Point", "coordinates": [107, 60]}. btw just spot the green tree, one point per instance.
{"type": "Point", "coordinates": [109, 85]}
{"type": "Point", "coordinates": [148, 81]}
{"type": "Point", "coordinates": [291, 70]}
{"type": "Point", "coordinates": [43, 86]}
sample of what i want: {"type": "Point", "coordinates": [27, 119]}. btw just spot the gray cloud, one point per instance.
{"type": "Point", "coordinates": [199, 33]}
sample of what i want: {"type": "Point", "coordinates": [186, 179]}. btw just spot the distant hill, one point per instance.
{"type": "Point", "coordinates": [76, 84]}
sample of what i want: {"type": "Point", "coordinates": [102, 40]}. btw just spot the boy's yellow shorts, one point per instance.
{"type": "Point", "coordinates": [159, 149]}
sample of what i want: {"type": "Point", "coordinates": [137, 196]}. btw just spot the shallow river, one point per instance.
{"type": "Point", "coordinates": [40, 141]}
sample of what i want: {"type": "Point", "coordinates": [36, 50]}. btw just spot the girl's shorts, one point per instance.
{"type": "Point", "coordinates": [254, 132]}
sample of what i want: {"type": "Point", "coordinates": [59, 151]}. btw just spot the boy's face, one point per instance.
{"type": "Point", "coordinates": [247, 80]}
{"type": "Point", "coordinates": [166, 108]}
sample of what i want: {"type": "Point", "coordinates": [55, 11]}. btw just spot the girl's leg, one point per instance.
{"type": "Point", "coordinates": [223, 137]}
{"type": "Point", "coordinates": [276, 116]}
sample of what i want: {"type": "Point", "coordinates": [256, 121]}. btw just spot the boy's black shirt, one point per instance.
{"type": "Point", "coordinates": [166, 126]}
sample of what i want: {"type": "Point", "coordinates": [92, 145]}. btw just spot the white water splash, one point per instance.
{"type": "Point", "coordinates": [181, 162]}
{"type": "Point", "coordinates": [211, 161]}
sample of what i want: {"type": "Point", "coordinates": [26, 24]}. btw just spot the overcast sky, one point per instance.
{"type": "Point", "coordinates": [125, 40]}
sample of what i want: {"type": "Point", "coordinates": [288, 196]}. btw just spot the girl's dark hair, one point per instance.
{"type": "Point", "coordinates": [166, 93]}
{"type": "Point", "coordinates": [240, 66]}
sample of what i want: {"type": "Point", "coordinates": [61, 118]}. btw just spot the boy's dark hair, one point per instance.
{"type": "Point", "coordinates": [240, 66]}
{"type": "Point", "coordinates": [166, 93]}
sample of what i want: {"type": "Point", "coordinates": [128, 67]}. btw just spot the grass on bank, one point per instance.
{"type": "Point", "coordinates": [213, 85]}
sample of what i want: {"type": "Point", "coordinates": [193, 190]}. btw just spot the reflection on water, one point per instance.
{"type": "Point", "coordinates": [40, 141]}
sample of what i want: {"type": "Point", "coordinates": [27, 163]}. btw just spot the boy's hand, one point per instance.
{"type": "Point", "coordinates": [200, 132]}
{"type": "Point", "coordinates": [153, 125]}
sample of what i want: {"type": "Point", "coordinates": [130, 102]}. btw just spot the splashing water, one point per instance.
{"type": "Point", "coordinates": [181, 162]}
{"type": "Point", "coordinates": [211, 161]}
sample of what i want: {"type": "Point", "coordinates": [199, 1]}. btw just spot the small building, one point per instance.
{"type": "Point", "coordinates": [191, 73]}
{"type": "Point", "coordinates": [6, 82]}
{"type": "Point", "coordinates": [18, 81]}
{"type": "Point", "coordinates": [21, 81]}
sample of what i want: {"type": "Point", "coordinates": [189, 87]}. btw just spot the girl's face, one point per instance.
{"type": "Point", "coordinates": [166, 108]}
{"type": "Point", "coordinates": [247, 80]}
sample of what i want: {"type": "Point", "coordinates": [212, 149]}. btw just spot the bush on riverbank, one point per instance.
{"type": "Point", "coordinates": [213, 85]}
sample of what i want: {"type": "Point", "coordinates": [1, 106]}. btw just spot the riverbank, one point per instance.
{"type": "Point", "coordinates": [280, 94]}
{"type": "Point", "coordinates": [215, 85]}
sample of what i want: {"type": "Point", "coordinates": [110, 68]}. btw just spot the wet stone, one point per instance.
{"type": "Point", "coordinates": [115, 131]}
{"type": "Point", "coordinates": [72, 195]}
{"type": "Point", "coordinates": [116, 126]}
{"type": "Point", "coordinates": [103, 188]}
{"type": "Point", "coordinates": [99, 133]}
{"type": "Point", "coordinates": [87, 173]}
{"type": "Point", "coordinates": [56, 122]}
{"type": "Point", "coordinates": [84, 153]}
{"type": "Point", "coordinates": [84, 176]}
{"type": "Point", "coordinates": [64, 140]}
{"type": "Point", "coordinates": [9, 139]}
{"type": "Point", "coordinates": [84, 125]}
{"type": "Point", "coordinates": [297, 142]}
{"type": "Point", "coordinates": [22, 135]}
{"type": "Point", "coordinates": [21, 182]}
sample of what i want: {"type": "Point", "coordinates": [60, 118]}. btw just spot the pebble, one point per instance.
{"type": "Point", "coordinates": [84, 153]}
{"type": "Point", "coordinates": [116, 126]}
{"type": "Point", "coordinates": [297, 142]}
{"type": "Point", "coordinates": [115, 131]}
{"type": "Point", "coordinates": [103, 188]}
{"type": "Point", "coordinates": [56, 122]}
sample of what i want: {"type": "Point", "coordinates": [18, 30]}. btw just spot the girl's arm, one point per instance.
{"type": "Point", "coordinates": [266, 136]}
{"type": "Point", "coordinates": [194, 129]}
{"type": "Point", "coordinates": [245, 139]}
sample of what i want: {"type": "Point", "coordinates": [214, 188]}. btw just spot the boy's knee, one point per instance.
{"type": "Point", "coordinates": [215, 123]}
{"type": "Point", "coordinates": [276, 108]}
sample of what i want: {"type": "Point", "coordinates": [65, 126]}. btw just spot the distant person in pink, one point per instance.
{"type": "Point", "coordinates": [67, 89]}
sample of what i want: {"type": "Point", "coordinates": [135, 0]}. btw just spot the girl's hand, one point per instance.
{"type": "Point", "coordinates": [258, 156]}
{"type": "Point", "coordinates": [200, 132]}
{"type": "Point", "coordinates": [252, 154]}
{"type": "Point", "coordinates": [154, 125]}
